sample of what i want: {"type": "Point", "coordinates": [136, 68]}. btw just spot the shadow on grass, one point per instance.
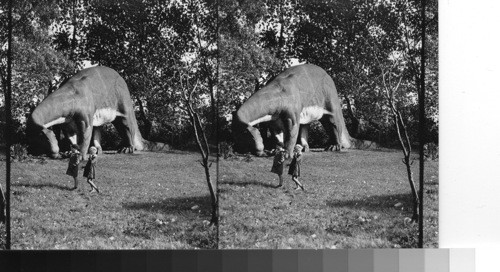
{"type": "Point", "coordinates": [189, 229]}
{"type": "Point", "coordinates": [375, 203]}
{"type": "Point", "coordinates": [44, 185]}
{"type": "Point", "coordinates": [247, 183]}
{"type": "Point", "coordinates": [344, 151]}
{"type": "Point", "coordinates": [322, 150]}
{"type": "Point", "coordinates": [3, 234]}
{"type": "Point", "coordinates": [173, 205]}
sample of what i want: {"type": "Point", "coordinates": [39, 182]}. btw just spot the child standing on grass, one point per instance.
{"type": "Point", "coordinates": [74, 161]}
{"type": "Point", "coordinates": [294, 169]}
{"type": "Point", "coordinates": [279, 159]}
{"type": "Point", "coordinates": [89, 171]}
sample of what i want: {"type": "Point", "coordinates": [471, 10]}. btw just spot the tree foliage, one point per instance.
{"type": "Point", "coordinates": [245, 64]}
{"type": "Point", "coordinates": [37, 66]}
{"type": "Point", "coordinates": [148, 49]}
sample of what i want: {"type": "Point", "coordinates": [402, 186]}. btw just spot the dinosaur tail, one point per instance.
{"type": "Point", "coordinates": [346, 139]}
{"type": "Point", "coordinates": [142, 144]}
{"type": "Point", "coordinates": [155, 146]}
{"type": "Point", "coordinates": [362, 144]}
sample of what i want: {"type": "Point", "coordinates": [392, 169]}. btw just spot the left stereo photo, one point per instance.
{"type": "Point", "coordinates": [113, 136]}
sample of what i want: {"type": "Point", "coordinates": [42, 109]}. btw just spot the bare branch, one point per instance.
{"type": "Point", "coordinates": [399, 83]}
{"type": "Point", "coordinates": [196, 132]}
{"type": "Point", "coordinates": [405, 130]}
{"type": "Point", "coordinates": [398, 130]}
{"type": "Point", "coordinates": [205, 142]}
{"type": "Point", "coordinates": [190, 97]}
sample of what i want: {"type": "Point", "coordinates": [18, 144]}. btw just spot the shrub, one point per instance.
{"type": "Point", "coordinates": [19, 152]}
{"type": "Point", "coordinates": [110, 139]}
{"type": "Point", "coordinates": [317, 135]}
{"type": "Point", "coordinates": [431, 151]}
{"type": "Point", "coordinates": [226, 150]}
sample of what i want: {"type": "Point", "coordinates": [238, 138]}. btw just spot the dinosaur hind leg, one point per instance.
{"type": "Point", "coordinates": [125, 131]}
{"type": "Point", "coordinates": [291, 133]}
{"type": "Point", "coordinates": [331, 129]}
{"type": "Point", "coordinates": [303, 137]}
{"type": "Point", "coordinates": [96, 139]}
{"type": "Point", "coordinates": [85, 130]}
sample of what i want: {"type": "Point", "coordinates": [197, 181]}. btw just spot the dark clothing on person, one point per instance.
{"type": "Point", "coordinates": [89, 171]}
{"type": "Point", "coordinates": [294, 169]}
{"type": "Point", "coordinates": [279, 159]}
{"type": "Point", "coordinates": [74, 161]}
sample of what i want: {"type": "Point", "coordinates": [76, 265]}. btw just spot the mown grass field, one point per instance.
{"type": "Point", "coordinates": [148, 200]}
{"type": "Point", "coordinates": [353, 199]}
{"type": "Point", "coordinates": [3, 232]}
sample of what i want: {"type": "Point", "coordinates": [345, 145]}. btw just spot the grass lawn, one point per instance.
{"type": "Point", "coordinates": [148, 200]}
{"type": "Point", "coordinates": [353, 199]}
{"type": "Point", "coordinates": [3, 233]}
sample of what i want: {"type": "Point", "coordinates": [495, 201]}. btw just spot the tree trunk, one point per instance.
{"type": "Point", "coordinates": [414, 194]}
{"type": "Point", "coordinates": [73, 39]}
{"type": "Point", "coordinates": [147, 124]}
{"type": "Point", "coordinates": [257, 85]}
{"type": "Point", "coordinates": [281, 40]}
{"type": "Point", "coordinates": [50, 89]}
{"type": "Point", "coordinates": [213, 197]}
{"type": "Point", "coordinates": [406, 146]}
{"type": "Point", "coordinates": [355, 121]}
{"type": "Point", "coordinates": [2, 205]}
{"type": "Point", "coordinates": [204, 148]}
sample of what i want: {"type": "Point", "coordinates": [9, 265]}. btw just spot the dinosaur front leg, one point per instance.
{"type": "Point", "coordinates": [86, 131]}
{"type": "Point", "coordinates": [291, 133]}
{"type": "Point", "coordinates": [303, 137]}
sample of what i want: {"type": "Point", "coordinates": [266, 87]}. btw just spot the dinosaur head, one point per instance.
{"type": "Point", "coordinates": [41, 140]}
{"type": "Point", "coordinates": [246, 138]}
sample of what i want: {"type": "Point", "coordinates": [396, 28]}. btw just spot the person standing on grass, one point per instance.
{"type": "Point", "coordinates": [279, 159]}
{"type": "Point", "coordinates": [294, 169]}
{"type": "Point", "coordinates": [74, 161]}
{"type": "Point", "coordinates": [89, 171]}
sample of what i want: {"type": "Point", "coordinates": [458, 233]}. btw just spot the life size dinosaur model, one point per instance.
{"type": "Point", "coordinates": [293, 99]}
{"type": "Point", "coordinates": [93, 97]}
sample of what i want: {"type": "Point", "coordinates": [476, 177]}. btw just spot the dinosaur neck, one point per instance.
{"type": "Point", "coordinates": [260, 107]}
{"type": "Point", "coordinates": [54, 109]}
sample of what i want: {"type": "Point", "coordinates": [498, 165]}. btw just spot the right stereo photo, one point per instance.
{"type": "Point", "coordinates": [320, 136]}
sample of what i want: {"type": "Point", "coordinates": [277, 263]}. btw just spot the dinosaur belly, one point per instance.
{"type": "Point", "coordinates": [104, 116]}
{"type": "Point", "coordinates": [310, 114]}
